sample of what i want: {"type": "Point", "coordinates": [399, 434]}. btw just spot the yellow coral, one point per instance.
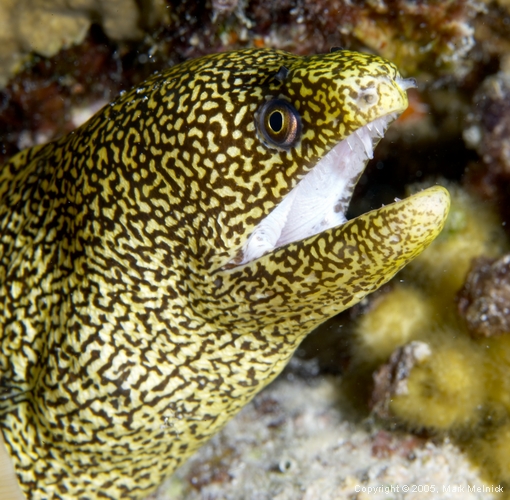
{"type": "Point", "coordinates": [493, 452]}
{"type": "Point", "coordinates": [497, 366]}
{"type": "Point", "coordinates": [464, 385]}
{"type": "Point", "coordinates": [446, 389]}
{"type": "Point", "coordinates": [395, 319]}
{"type": "Point", "coordinates": [472, 229]}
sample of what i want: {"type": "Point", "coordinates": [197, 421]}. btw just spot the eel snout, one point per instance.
{"type": "Point", "coordinates": [320, 200]}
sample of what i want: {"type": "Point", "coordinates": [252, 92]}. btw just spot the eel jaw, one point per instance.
{"type": "Point", "coordinates": [321, 198]}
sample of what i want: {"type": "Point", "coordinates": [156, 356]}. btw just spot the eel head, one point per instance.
{"type": "Point", "coordinates": [286, 257]}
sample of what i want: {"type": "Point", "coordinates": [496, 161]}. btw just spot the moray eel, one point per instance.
{"type": "Point", "coordinates": [160, 264]}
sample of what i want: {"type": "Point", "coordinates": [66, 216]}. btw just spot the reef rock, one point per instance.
{"type": "Point", "coordinates": [46, 26]}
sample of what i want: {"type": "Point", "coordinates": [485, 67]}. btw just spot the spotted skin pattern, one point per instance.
{"type": "Point", "coordinates": [128, 337]}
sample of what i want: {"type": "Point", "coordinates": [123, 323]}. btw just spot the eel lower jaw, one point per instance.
{"type": "Point", "coordinates": [320, 200]}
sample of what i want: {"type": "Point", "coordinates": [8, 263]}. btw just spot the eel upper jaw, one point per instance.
{"type": "Point", "coordinates": [321, 198]}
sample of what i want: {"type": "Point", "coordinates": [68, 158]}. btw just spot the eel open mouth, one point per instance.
{"type": "Point", "coordinates": [320, 200]}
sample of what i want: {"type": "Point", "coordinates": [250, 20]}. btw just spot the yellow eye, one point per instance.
{"type": "Point", "coordinates": [279, 124]}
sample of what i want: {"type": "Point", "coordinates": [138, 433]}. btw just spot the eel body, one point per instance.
{"type": "Point", "coordinates": [160, 264]}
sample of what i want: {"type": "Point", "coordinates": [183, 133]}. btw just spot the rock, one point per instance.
{"type": "Point", "coordinates": [484, 300]}
{"type": "Point", "coordinates": [46, 26]}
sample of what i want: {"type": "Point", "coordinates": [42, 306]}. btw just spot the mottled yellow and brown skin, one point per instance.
{"type": "Point", "coordinates": [127, 336]}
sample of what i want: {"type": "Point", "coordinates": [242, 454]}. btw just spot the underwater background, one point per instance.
{"type": "Point", "coordinates": [412, 386]}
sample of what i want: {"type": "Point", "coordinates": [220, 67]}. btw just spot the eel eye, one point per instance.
{"type": "Point", "coordinates": [279, 123]}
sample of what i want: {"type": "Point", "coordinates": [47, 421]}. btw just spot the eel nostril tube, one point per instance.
{"type": "Point", "coordinates": [407, 83]}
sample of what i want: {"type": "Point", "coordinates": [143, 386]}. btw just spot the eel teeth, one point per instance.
{"type": "Point", "coordinates": [379, 131]}
{"type": "Point", "coordinates": [321, 198]}
{"type": "Point", "coordinates": [364, 136]}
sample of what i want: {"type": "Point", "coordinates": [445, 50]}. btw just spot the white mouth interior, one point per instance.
{"type": "Point", "coordinates": [321, 198]}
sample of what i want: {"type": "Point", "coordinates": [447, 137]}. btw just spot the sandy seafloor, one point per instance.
{"type": "Point", "coordinates": [299, 440]}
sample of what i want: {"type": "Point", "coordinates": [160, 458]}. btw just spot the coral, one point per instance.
{"type": "Point", "coordinates": [473, 229]}
{"type": "Point", "coordinates": [448, 372]}
{"type": "Point", "coordinates": [434, 31]}
{"type": "Point", "coordinates": [417, 302]}
{"type": "Point", "coordinates": [416, 35]}
{"type": "Point", "coordinates": [394, 319]}
{"type": "Point", "coordinates": [497, 365]}
{"type": "Point", "coordinates": [445, 389]}
{"type": "Point", "coordinates": [492, 451]}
